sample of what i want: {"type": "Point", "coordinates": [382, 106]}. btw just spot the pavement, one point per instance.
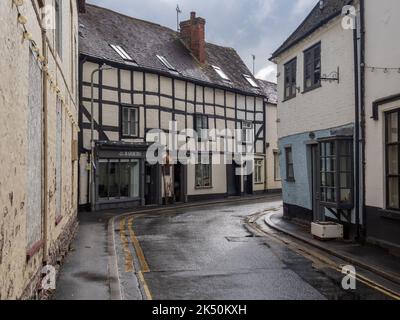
{"type": "Point", "coordinates": [200, 251]}
{"type": "Point", "coordinates": [370, 257]}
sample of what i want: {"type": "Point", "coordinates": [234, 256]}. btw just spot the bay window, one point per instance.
{"type": "Point", "coordinates": [336, 172]}
{"type": "Point", "coordinates": [392, 160]}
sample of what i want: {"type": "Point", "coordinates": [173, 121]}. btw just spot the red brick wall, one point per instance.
{"type": "Point", "coordinates": [193, 34]}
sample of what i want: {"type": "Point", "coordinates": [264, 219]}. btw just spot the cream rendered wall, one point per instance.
{"type": "Point", "coordinates": [218, 172]}
{"type": "Point", "coordinates": [271, 115]}
{"type": "Point", "coordinates": [19, 277]}
{"type": "Point", "coordinates": [382, 19]}
{"type": "Point", "coordinates": [330, 106]}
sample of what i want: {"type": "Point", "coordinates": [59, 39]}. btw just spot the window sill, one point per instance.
{"type": "Point", "coordinates": [389, 214]}
{"type": "Point", "coordinates": [290, 180]}
{"type": "Point", "coordinates": [311, 88]}
{"type": "Point", "coordinates": [58, 220]}
{"type": "Point", "coordinates": [203, 188]}
{"type": "Point", "coordinates": [34, 249]}
{"type": "Point", "coordinates": [258, 183]}
{"type": "Point", "coordinates": [289, 98]}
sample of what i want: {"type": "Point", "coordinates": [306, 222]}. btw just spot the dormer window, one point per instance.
{"type": "Point", "coordinates": [221, 73]}
{"type": "Point", "coordinates": [166, 63]}
{"type": "Point", "coordinates": [122, 53]}
{"type": "Point", "coordinates": [251, 80]}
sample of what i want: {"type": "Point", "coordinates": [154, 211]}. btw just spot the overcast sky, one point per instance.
{"type": "Point", "coordinates": [250, 26]}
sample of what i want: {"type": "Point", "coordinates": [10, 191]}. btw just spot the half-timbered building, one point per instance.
{"type": "Point", "coordinates": [137, 77]}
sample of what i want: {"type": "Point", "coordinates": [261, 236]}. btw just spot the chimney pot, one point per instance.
{"type": "Point", "coordinates": [193, 15]}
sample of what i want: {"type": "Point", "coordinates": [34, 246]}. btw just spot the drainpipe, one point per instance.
{"type": "Point", "coordinates": [45, 154]}
{"type": "Point", "coordinates": [362, 107]}
{"type": "Point", "coordinates": [357, 126]}
{"type": "Point", "coordinates": [359, 77]}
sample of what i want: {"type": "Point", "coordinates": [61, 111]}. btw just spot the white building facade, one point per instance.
{"type": "Point", "coordinates": [338, 86]}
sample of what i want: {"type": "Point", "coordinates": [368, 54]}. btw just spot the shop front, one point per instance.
{"type": "Point", "coordinates": [119, 175]}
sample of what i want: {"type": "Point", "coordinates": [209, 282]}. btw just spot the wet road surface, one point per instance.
{"type": "Point", "coordinates": [208, 253]}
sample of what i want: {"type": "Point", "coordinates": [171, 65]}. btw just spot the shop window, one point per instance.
{"type": "Point", "coordinates": [392, 160]}
{"type": "Point", "coordinates": [118, 179]}
{"type": "Point", "coordinates": [336, 173]}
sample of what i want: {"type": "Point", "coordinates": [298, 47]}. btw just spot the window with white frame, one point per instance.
{"type": "Point", "coordinates": [166, 63]}
{"type": "Point", "coordinates": [251, 80]}
{"type": "Point", "coordinates": [203, 171]}
{"type": "Point", "coordinates": [130, 121]}
{"type": "Point", "coordinates": [221, 73]}
{"type": "Point", "coordinates": [247, 131]}
{"type": "Point", "coordinates": [122, 53]}
{"type": "Point", "coordinates": [277, 169]}
{"type": "Point", "coordinates": [58, 26]}
{"type": "Point", "coordinates": [258, 166]}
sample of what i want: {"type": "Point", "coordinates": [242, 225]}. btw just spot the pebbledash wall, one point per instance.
{"type": "Point", "coordinates": [381, 50]}
{"type": "Point", "coordinates": [38, 177]}
{"type": "Point", "coordinates": [323, 112]}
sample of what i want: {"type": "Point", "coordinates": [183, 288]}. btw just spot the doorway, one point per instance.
{"type": "Point", "coordinates": [232, 180]}
{"type": "Point", "coordinates": [152, 184]}
{"type": "Point", "coordinates": [179, 194]}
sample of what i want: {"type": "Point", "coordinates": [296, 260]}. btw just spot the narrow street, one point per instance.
{"type": "Point", "coordinates": [208, 253]}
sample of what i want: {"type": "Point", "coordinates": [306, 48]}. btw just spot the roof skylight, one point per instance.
{"type": "Point", "coordinates": [122, 53]}
{"type": "Point", "coordinates": [166, 63]}
{"type": "Point", "coordinates": [251, 80]}
{"type": "Point", "coordinates": [221, 73]}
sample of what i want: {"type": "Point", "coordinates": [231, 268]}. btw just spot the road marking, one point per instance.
{"type": "Point", "coordinates": [145, 286]}
{"type": "Point", "coordinates": [142, 260]}
{"type": "Point", "coordinates": [125, 245]}
{"type": "Point", "coordinates": [312, 255]}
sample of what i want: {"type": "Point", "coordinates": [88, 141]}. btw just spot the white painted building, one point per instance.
{"type": "Point", "coordinates": [157, 76]}
{"type": "Point", "coordinates": [338, 77]}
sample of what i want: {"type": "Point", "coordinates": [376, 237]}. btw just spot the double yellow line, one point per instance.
{"type": "Point", "coordinates": [129, 265]}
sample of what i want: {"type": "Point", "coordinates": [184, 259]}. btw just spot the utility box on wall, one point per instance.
{"type": "Point", "coordinates": [327, 230]}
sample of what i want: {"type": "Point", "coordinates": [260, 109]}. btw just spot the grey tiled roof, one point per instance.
{"type": "Point", "coordinates": [270, 90]}
{"type": "Point", "coordinates": [142, 40]}
{"type": "Point", "coordinates": [316, 18]}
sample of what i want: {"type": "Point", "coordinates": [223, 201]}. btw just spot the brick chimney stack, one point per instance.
{"type": "Point", "coordinates": [193, 34]}
{"type": "Point", "coordinates": [82, 6]}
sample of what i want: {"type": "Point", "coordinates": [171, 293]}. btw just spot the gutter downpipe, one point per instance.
{"type": "Point", "coordinates": [356, 40]}
{"type": "Point", "coordinates": [359, 76]}
{"type": "Point", "coordinates": [362, 107]}
{"type": "Point", "coordinates": [45, 153]}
